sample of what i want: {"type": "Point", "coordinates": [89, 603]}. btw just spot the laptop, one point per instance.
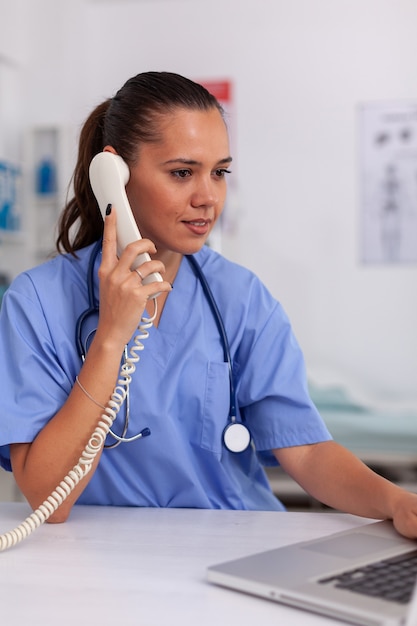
{"type": "Point", "coordinates": [356, 576]}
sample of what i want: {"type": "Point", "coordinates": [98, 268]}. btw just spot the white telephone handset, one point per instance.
{"type": "Point", "coordinates": [109, 175]}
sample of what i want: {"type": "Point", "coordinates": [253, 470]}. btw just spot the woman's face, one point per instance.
{"type": "Point", "coordinates": [177, 187]}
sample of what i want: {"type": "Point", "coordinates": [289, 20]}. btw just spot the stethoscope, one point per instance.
{"type": "Point", "coordinates": [236, 435]}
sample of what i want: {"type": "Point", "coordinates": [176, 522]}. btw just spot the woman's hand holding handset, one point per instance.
{"type": "Point", "coordinates": [123, 296]}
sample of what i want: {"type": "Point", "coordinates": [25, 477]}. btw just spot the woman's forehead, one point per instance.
{"type": "Point", "coordinates": [190, 132]}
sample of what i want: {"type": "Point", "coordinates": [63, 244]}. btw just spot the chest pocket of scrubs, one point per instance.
{"type": "Point", "coordinates": [216, 407]}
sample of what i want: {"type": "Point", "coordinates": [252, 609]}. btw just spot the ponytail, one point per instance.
{"type": "Point", "coordinates": [82, 211]}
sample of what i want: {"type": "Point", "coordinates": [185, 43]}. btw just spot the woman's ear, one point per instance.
{"type": "Point", "coordinates": [109, 149]}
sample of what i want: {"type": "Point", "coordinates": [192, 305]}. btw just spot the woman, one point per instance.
{"type": "Point", "coordinates": [171, 133]}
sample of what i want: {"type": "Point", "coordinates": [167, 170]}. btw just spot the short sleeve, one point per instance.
{"type": "Point", "coordinates": [34, 385]}
{"type": "Point", "coordinates": [273, 390]}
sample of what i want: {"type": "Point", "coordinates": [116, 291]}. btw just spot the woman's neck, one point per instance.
{"type": "Point", "coordinates": [172, 262]}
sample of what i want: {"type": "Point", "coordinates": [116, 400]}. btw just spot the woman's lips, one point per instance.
{"type": "Point", "coordinates": [198, 227]}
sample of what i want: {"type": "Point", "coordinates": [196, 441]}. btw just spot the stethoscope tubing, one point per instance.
{"type": "Point", "coordinates": [222, 331]}
{"type": "Point", "coordinates": [233, 429]}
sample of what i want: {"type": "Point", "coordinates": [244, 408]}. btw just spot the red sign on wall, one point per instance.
{"type": "Point", "coordinates": [221, 89]}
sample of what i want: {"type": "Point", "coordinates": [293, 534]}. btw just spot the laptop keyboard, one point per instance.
{"type": "Point", "coordinates": [392, 579]}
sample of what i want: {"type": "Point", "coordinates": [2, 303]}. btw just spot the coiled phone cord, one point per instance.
{"type": "Point", "coordinates": [93, 447]}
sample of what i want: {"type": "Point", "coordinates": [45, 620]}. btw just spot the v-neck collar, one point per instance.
{"type": "Point", "coordinates": [174, 317]}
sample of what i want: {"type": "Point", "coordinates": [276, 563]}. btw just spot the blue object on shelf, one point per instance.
{"type": "Point", "coordinates": [9, 217]}
{"type": "Point", "coordinates": [46, 177]}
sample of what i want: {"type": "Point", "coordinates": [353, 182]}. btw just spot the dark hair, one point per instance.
{"type": "Point", "coordinates": [124, 122]}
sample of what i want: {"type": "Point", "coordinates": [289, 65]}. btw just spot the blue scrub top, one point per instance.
{"type": "Point", "coordinates": [180, 389]}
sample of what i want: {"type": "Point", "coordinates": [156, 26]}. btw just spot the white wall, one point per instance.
{"type": "Point", "coordinates": [300, 69]}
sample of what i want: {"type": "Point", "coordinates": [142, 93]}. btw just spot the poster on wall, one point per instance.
{"type": "Point", "coordinates": [388, 182]}
{"type": "Point", "coordinates": [222, 90]}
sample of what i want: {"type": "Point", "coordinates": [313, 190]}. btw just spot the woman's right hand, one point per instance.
{"type": "Point", "coordinates": [123, 297]}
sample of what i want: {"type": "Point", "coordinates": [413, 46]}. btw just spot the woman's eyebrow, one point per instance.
{"type": "Point", "coordinates": [184, 161]}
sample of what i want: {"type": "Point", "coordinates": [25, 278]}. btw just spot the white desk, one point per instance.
{"type": "Point", "coordinates": [146, 567]}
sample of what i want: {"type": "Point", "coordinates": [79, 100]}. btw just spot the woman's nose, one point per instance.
{"type": "Point", "coordinates": [205, 194]}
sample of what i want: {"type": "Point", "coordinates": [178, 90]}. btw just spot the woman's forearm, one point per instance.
{"type": "Point", "coordinates": [337, 478]}
{"type": "Point", "coordinates": [40, 466]}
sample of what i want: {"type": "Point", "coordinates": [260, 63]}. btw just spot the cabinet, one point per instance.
{"type": "Point", "coordinates": [45, 170]}
{"type": "Point", "coordinates": [46, 157]}
{"type": "Point", "coordinates": [11, 179]}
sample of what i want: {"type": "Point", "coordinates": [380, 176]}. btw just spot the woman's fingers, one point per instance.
{"type": "Point", "coordinates": [129, 254]}
{"type": "Point", "coordinates": [123, 294]}
{"type": "Point", "coordinates": [109, 249]}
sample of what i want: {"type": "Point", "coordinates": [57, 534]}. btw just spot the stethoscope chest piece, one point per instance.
{"type": "Point", "coordinates": [236, 437]}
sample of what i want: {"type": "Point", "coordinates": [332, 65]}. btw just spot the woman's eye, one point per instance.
{"type": "Point", "coordinates": [221, 172]}
{"type": "Point", "coordinates": [181, 173]}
